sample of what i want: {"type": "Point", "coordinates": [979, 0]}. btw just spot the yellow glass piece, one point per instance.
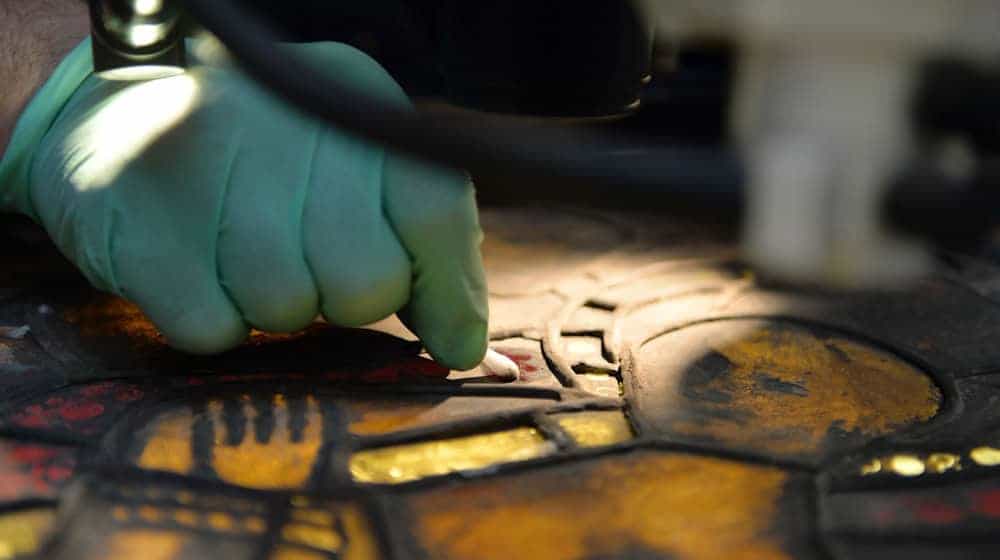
{"type": "Point", "coordinates": [596, 428]}
{"type": "Point", "coordinates": [905, 465]}
{"type": "Point", "coordinates": [220, 521]}
{"type": "Point", "coordinates": [403, 463]}
{"type": "Point", "coordinates": [145, 544]}
{"type": "Point", "coordinates": [872, 467]}
{"type": "Point", "coordinates": [315, 516]}
{"type": "Point", "coordinates": [943, 462]}
{"type": "Point", "coordinates": [985, 456]}
{"type": "Point", "coordinates": [279, 463]}
{"type": "Point", "coordinates": [323, 538]}
{"type": "Point", "coordinates": [186, 517]}
{"type": "Point", "coordinates": [678, 506]}
{"type": "Point", "coordinates": [293, 553]}
{"type": "Point", "coordinates": [820, 382]}
{"type": "Point", "coordinates": [22, 532]}
{"type": "Point", "coordinates": [169, 447]}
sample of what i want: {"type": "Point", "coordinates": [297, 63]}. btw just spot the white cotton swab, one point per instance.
{"type": "Point", "coordinates": [498, 365]}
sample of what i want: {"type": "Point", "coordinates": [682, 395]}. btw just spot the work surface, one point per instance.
{"type": "Point", "coordinates": [669, 406]}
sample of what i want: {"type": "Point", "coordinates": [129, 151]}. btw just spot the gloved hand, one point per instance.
{"type": "Point", "coordinates": [216, 208]}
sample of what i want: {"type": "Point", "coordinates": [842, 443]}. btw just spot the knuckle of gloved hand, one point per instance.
{"type": "Point", "coordinates": [353, 312]}
{"type": "Point", "coordinates": [363, 304]}
{"type": "Point", "coordinates": [290, 312]}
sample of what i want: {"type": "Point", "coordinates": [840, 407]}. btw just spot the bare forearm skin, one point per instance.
{"type": "Point", "coordinates": [34, 36]}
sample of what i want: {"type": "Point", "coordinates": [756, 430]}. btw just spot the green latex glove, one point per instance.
{"type": "Point", "coordinates": [216, 208]}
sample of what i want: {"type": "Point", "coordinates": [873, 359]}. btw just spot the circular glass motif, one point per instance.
{"type": "Point", "coordinates": [778, 388]}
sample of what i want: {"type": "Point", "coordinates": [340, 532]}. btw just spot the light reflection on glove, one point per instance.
{"type": "Point", "coordinates": [217, 208]}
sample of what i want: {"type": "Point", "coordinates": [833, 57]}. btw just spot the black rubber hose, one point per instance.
{"type": "Point", "coordinates": [950, 213]}
{"type": "Point", "coordinates": [664, 178]}
{"type": "Point", "coordinates": [587, 166]}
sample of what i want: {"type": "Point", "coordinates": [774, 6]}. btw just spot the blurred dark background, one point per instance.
{"type": "Point", "coordinates": [550, 58]}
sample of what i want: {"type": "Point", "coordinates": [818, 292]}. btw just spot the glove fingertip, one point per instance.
{"type": "Point", "coordinates": [202, 335]}
{"type": "Point", "coordinates": [462, 351]}
{"type": "Point", "coordinates": [459, 348]}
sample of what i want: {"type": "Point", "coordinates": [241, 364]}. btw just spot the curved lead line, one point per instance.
{"type": "Point", "coordinates": [668, 266]}
{"type": "Point", "coordinates": [612, 340]}
{"type": "Point", "coordinates": [552, 340]}
{"type": "Point", "coordinates": [504, 334]}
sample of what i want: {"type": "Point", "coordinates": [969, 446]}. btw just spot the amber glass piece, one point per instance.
{"type": "Point", "coordinates": [220, 521]}
{"type": "Point", "coordinates": [642, 505]}
{"type": "Point", "coordinates": [186, 517]}
{"type": "Point", "coordinates": [314, 516]}
{"type": "Point", "coordinates": [255, 525]}
{"type": "Point", "coordinates": [404, 463]}
{"type": "Point", "coordinates": [150, 514]}
{"type": "Point", "coordinates": [844, 383]}
{"type": "Point", "coordinates": [111, 316]}
{"type": "Point", "coordinates": [596, 428]}
{"type": "Point", "coordinates": [342, 531]}
{"type": "Point", "coordinates": [778, 387]}
{"type": "Point", "coordinates": [22, 532]}
{"type": "Point", "coordinates": [121, 513]}
{"type": "Point", "coordinates": [360, 542]}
